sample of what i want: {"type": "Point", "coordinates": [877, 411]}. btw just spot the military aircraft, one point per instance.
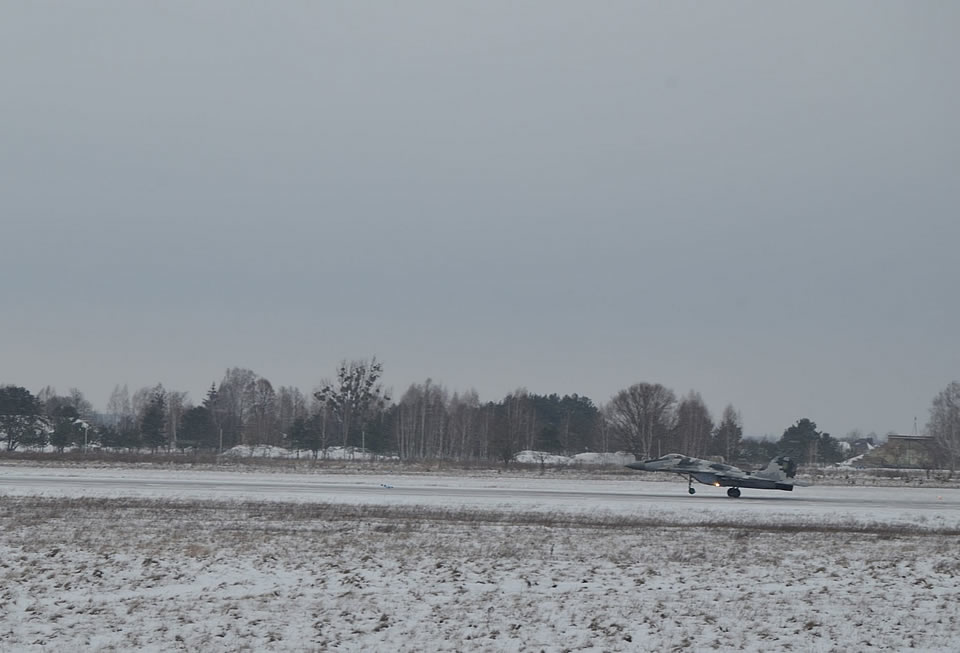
{"type": "Point", "coordinates": [778, 474]}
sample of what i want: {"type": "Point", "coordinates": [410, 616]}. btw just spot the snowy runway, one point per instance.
{"type": "Point", "coordinates": [621, 496]}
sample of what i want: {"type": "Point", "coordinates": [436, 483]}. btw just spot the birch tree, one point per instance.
{"type": "Point", "coordinates": [176, 406]}
{"type": "Point", "coordinates": [122, 419]}
{"type": "Point", "coordinates": [464, 416]}
{"type": "Point", "coordinates": [514, 426]}
{"type": "Point", "coordinates": [421, 422]}
{"type": "Point", "coordinates": [232, 409]}
{"type": "Point", "coordinates": [944, 424]}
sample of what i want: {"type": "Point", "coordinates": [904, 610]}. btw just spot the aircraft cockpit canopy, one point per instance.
{"type": "Point", "coordinates": [669, 457]}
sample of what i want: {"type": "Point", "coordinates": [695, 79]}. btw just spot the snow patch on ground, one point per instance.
{"type": "Point", "coordinates": [99, 575]}
{"type": "Point", "coordinates": [356, 453]}
{"type": "Point", "coordinates": [587, 458]}
{"type": "Point", "coordinates": [855, 461]}
{"type": "Point", "coordinates": [258, 451]}
{"type": "Point", "coordinates": [330, 453]}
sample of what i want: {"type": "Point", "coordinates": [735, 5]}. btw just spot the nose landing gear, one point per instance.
{"type": "Point", "coordinates": [690, 488]}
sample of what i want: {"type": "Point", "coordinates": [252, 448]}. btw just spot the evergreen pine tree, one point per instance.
{"type": "Point", "coordinates": [152, 425]}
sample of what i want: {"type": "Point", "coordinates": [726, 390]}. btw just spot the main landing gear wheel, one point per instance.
{"type": "Point", "coordinates": [733, 493]}
{"type": "Point", "coordinates": [692, 490]}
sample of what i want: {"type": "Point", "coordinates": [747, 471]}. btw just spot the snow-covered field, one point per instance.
{"type": "Point", "coordinates": [203, 561]}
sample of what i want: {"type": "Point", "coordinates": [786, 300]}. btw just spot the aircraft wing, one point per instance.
{"type": "Point", "coordinates": [725, 479]}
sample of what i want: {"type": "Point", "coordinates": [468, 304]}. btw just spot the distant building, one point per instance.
{"type": "Point", "coordinates": [900, 450]}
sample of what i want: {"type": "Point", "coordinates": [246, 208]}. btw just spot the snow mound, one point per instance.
{"type": "Point", "coordinates": [587, 458]}
{"type": "Point", "coordinates": [349, 453]}
{"type": "Point", "coordinates": [541, 458]}
{"type": "Point", "coordinates": [330, 453]}
{"type": "Point", "coordinates": [257, 451]}
{"type": "Point", "coordinates": [618, 458]}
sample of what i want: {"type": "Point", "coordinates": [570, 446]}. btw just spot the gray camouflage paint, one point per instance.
{"type": "Point", "coordinates": [777, 475]}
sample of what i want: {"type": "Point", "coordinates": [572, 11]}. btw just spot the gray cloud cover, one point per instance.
{"type": "Point", "coordinates": [758, 201]}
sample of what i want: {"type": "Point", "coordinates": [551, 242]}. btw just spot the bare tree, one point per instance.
{"type": "Point", "coordinates": [79, 402]}
{"type": "Point", "coordinates": [515, 428]}
{"type": "Point", "coordinates": [320, 420]}
{"type": "Point", "coordinates": [421, 422]}
{"type": "Point", "coordinates": [410, 421]}
{"type": "Point", "coordinates": [291, 406]}
{"type": "Point", "coordinates": [121, 417]}
{"type": "Point", "coordinates": [176, 405]}
{"type": "Point", "coordinates": [46, 394]}
{"type": "Point", "coordinates": [641, 414]}
{"type": "Point", "coordinates": [464, 412]}
{"type": "Point", "coordinates": [262, 403]}
{"type": "Point", "coordinates": [694, 425]}
{"type": "Point", "coordinates": [405, 422]}
{"type": "Point", "coordinates": [944, 424]}
{"type": "Point", "coordinates": [233, 405]}
{"type": "Point", "coordinates": [605, 429]}
{"type": "Point", "coordinates": [118, 405]}
{"type": "Point", "coordinates": [140, 401]}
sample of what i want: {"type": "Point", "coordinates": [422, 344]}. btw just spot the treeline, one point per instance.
{"type": "Point", "coordinates": [425, 422]}
{"type": "Point", "coordinates": [353, 410]}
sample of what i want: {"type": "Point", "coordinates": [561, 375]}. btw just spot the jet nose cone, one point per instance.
{"type": "Point", "coordinates": [642, 466]}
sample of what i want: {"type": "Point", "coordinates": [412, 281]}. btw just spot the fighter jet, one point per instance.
{"type": "Point", "coordinates": [778, 475]}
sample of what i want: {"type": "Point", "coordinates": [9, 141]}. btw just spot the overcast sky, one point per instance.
{"type": "Point", "coordinates": [758, 201]}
